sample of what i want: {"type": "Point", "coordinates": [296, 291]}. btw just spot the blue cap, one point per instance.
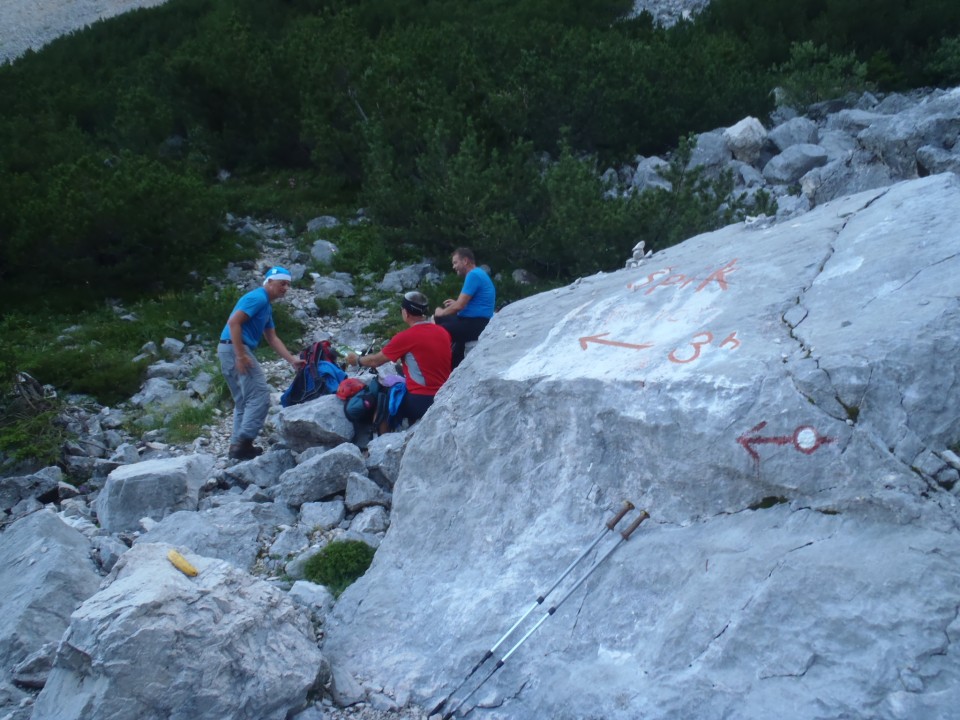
{"type": "Point", "coordinates": [277, 273]}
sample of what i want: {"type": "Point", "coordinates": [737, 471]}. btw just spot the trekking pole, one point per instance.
{"type": "Point", "coordinates": [608, 527]}
{"type": "Point", "coordinates": [624, 536]}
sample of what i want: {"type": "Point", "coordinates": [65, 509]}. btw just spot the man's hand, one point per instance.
{"type": "Point", "coordinates": [352, 358]}
{"type": "Point", "coordinates": [243, 363]}
{"type": "Point", "coordinates": [448, 302]}
{"type": "Point", "coordinates": [298, 363]}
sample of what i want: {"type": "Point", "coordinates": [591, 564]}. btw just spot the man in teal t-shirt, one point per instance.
{"type": "Point", "coordinates": [251, 319]}
{"type": "Point", "coordinates": [467, 316]}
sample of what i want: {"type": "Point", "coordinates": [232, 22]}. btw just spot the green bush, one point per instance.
{"type": "Point", "coordinates": [187, 422]}
{"type": "Point", "coordinates": [338, 564]}
{"type": "Point", "coordinates": [121, 225]}
{"type": "Point", "coordinates": [944, 65]}
{"type": "Point", "coordinates": [38, 438]}
{"type": "Point", "coordinates": [30, 425]}
{"type": "Point", "coordinates": [327, 307]}
{"type": "Point", "coordinates": [814, 74]}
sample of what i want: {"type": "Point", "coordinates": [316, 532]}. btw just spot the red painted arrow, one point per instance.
{"type": "Point", "coordinates": [596, 339]}
{"type": "Point", "coordinates": [805, 439]}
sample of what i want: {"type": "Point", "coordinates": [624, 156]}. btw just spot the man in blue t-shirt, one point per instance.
{"type": "Point", "coordinates": [467, 316]}
{"type": "Point", "coordinates": [251, 319]}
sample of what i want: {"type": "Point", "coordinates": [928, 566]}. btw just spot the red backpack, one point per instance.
{"type": "Point", "coordinates": [350, 387]}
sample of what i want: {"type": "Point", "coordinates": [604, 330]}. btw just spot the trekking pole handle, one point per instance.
{"type": "Point", "coordinates": [627, 507]}
{"type": "Point", "coordinates": [635, 524]}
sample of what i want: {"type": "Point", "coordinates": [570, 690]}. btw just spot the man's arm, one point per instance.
{"type": "Point", "coordinates": [452, 307]}
{"type": "Point", "coordinates": [235, 324]}
{"type": "Point", "coordinates": [273, 340]}
{"type": "Point", "coordinates": [375, 360]}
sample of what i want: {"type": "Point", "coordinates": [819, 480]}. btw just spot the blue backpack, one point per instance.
{"type": "Point", "coordinates": [320, 375]}
{"type": "Point", "coordinates": [375, 403]}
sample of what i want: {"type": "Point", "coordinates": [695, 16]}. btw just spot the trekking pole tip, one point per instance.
{"type": "Point", "coordinates": [635, 524]}
{"type": "Point", "coordinates": [627, 507]}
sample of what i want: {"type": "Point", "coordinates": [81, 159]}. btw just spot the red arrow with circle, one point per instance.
{"type": "Point", "coordinates": [805, 439]}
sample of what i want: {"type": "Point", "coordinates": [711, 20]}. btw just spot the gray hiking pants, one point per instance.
{"type": "Point", "coordinates": [251, 395]}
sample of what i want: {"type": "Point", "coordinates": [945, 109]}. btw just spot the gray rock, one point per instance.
{"type": "Point", "coordinates": [155, 644]}
{"type": "Point", "coordinates": [314, 712]}
{"type": "Point", "coordinates": [839, 145]}
{"type": "Point", "coordinates": [793, 551]}
{"type": "Point", "coordinates": [336, 285]}
{"type": "Point", "coordinates": [263, 471]}
{"type": "Point", "coordinates": [895, 139]}
{"type": "Point", "coordinates": [647, 174]}
{"type": "Point", "coordinates": [791, 206]}
{"type": "Point", "coordinates": [158, 391]}
{"type": "Point", "coordinates": [523, 277]}
{"type": "Point", "coordinates": [297, 271]}
{"type": "Point", "coordinates": [793, 163]}
{"type": "Point", "coordinates": [322, 515]}
{"type": "Point", "coordinates": [933, 160]}
{"type": "Point", "coordinates": [710, 153]}
{"type": "Point", "coordinates": [321, 476]}
{"type": "Point", "coordinates": [409, 277]}
{"type": "Point", "coordinates": [319, 422]}
{"type": "Point", "coordinates": [371, 520]}
{"type": "Point", "coordinates": [852, 174]}
{"type": "Point", "coordinates": [345, 690]}
{"type": "Point", "coordinates": [324, 222]}
{"type": "Point", "coordinates": [232, 532]}
{"type": "Point", "coordinates": [362, 492]}
{"type": "Point", "coordinates": [383, 458]}
{"type": "Point", "coordinates": [316, 598]}
{"type": "Point", "coordinates": [172, 347]}
{"type": "Point", "coordinates": [151, 488]}
{"type": "Point", "coordinates": [745, 138]}
{"type": "Point", "coordinates": [111, 418]}
{"type": "Point", "coordinates": [747, 176]}
{"type": "Point", "coordinates": [894, 103]}
{"type": "Point", "coordinates": [289, 541]}
{"type": "Point", "coordinates": [202, 384]}
{"type": "Point", "coordinates": [45, 573]}
{"type": "Point", "coordinates": [323, 252]}
{"type": "Point", "coordinates": [165, 369]}
{"type": "Point", "coordinates": [17, 704]}
{"type": "Point", "coordinates": [32, 671]}
{"type": "Point", "coordinates": [853, 122]}
{"type": "Point", "coordinates": [41, 484]}
{"type": "Point", "coordinates": [125, 454]}
{"type": "Point", "coordinates": [798, 131]}
{"type": "Point", "coordinates": [107, 550]}
{"type": "Point", "coordinates": [256, 494]}
{"type": "Point", "coordinates": [371, 538]}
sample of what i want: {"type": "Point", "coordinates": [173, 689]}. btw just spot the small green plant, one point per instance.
{"type": "Point", "coordinates": [339, 564]}
{"type": "Point", "coordinates": [30, 428]}
{"type": "Point", "coordinates": [328, 306]}
{"type": "Point", "coordinates": [768, 502]}
{"type": "Point", "coordinates": [853, 412]}
{"type": "Point", "coordinates": [186, 423]}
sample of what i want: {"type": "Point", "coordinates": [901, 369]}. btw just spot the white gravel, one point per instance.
{"type": "Point", "coordinates": [26, 24]}
{"type": "Point", "coordinates": [31, 24]}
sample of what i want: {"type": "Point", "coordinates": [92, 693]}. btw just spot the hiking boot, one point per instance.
{"type": "Point", "coordinates": [244, 450]}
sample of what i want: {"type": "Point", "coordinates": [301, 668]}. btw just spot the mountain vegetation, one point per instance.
{"type": "Point", "coordinates": [487, 124]}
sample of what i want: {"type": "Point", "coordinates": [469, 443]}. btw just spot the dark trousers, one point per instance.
{"type": "Point", "coordinates": [462, 330]}
{"type": "Point", "coordinates": [413, 407]}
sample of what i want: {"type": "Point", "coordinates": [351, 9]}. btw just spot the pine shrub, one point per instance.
{"type": "Point", "coordinates": [339, 564]}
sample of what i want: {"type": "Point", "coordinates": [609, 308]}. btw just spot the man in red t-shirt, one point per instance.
{"type": "Point", "coordinates": [424, 351]}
